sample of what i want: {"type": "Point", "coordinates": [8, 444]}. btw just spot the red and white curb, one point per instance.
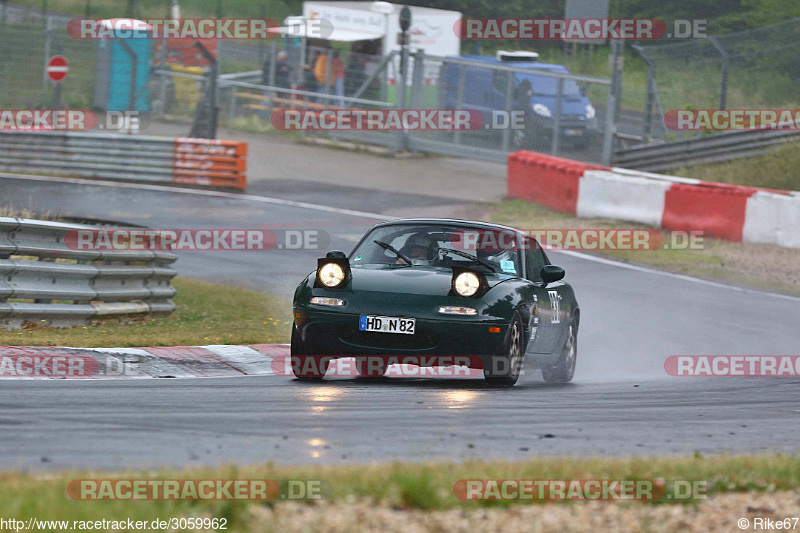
{"type": "Point", "coordinates": [48, 362]}
{"type": "Point", "coordinates": [217, 361]}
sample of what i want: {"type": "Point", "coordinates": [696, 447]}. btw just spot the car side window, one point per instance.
{"type": "Point", "coordinates": [534, 260]}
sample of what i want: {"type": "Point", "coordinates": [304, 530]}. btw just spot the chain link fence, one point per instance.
{"type": "Point", "coordinates": [241, 84]}
{"type": "Point", "coordinates": [752, 69]}
{"type": "Point", "coordinates": [27, 42]}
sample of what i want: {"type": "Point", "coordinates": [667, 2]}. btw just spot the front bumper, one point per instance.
{"type": "Point", "coordinates": [336, 333]}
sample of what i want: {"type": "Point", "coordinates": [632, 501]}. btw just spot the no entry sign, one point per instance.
{"type": "Point", "coordinates": [57, 68]}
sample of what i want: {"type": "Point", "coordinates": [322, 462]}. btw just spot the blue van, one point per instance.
{"type": "Point", "coordinates": [485, 90]}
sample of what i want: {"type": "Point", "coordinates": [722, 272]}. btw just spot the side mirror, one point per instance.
{"type": "Point", "coordinates": [335, 254]}
{"type": "Point", "coordinates": [551, 273]}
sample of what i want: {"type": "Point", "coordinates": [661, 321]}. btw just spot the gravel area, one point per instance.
{"type": "Point", "coordinates": [720, 513]}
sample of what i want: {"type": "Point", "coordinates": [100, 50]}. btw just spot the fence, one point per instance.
{"type": "Point", "coordinates": [752, 69]}
{"type": "Point", "coordinates": [125, 157]}
{"type": "Point", "coordinates": [560, 101]}
{"type": "Point", "coordinates": [45, 281]}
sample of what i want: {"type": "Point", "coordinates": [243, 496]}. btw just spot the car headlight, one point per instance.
{"type": "Point", "coordinates": [331, 274]}
{"type": "Point", "coordinates": [541, 109]}
{"type": "Point", "coordinates": [590, 111]}
{"type": "Point", "coordinates": [467, 284]}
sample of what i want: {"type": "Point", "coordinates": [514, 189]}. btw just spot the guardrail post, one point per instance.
{"type": "Point", "coordinates": [162, 87]}
{"type": "Point", "coordinates": [207, 129]}
{"type": "Point", "coordinates": [232, 108]}
{"type": "Point", "coordinates": [400, 91]}
{"type": "Point", "coordinates": [508, 120]}
{"type": "Point", "coordinates": [723, 89]}
{"type": "Point", "coordinates": [46, 57]}
{"type": "Point", "coordinates": [650, 89]}
{"type": "Point", "coordinates": [462, 71]}
{"type": "Point", "coordinates": [557, 118]}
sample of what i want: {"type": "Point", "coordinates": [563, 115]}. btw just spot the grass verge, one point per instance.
{"type": "Point", "coordinates": [773, 170]}
{"type": "Point", "coordinates": [757, 265]}
{"type": "Point", "coordinates": [206, 314]}
{"type": "Point", "coordinates": [425, 487]}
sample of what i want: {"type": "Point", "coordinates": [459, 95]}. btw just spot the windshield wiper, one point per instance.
{"type": "Point", "coordinates": [468, 256]}
{"type": "Point", "coordinates": [391, 248]}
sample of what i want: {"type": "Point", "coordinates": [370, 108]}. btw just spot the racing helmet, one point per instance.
{"type": "Point", "coordinates": [419, 246]}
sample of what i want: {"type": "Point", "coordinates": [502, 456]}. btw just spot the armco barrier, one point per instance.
{"type": "Point", "coordinates": [545, 179]}
{"type": "Point", "coordinates": [64, 286]}
{"type": "Point", "coordinates": [729, 212]}
{"type": "Point", "coordinates": [210, 162]}
{"type": "Point", "coordinates": [714, 148]}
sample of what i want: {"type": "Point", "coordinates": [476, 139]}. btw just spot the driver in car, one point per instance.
{"type": "Point", "coordinates": [420, 248]}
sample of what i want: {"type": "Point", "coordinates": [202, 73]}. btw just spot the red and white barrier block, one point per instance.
{"type": "Point", "coordinates": [730, 212]}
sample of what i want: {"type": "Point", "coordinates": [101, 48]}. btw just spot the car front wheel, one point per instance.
{"type": "Point", "coordinates": [306, 365]}
{"type": "Point", "coordinates": [504, 369]}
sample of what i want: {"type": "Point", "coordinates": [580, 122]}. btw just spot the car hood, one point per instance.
{"type": "Point", "coordinates": [413, 280]}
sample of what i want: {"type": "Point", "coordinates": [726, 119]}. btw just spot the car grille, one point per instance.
{"type": "Point", "coordinates": [421, 340]}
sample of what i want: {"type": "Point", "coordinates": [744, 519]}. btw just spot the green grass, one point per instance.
{"type": "Point", "coordinates": [415, 486]}
{"type": "Point", "coordinates": [779, 169]}
{"type": "Point", "coordinates": [206, 314]}
{"type": "Point", "coordinates": [726, 261]}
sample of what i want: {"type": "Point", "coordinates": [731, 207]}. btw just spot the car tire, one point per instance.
{"type": "Point", "coordinates": [305, 365]}
{"type": "Point", "coordinates": [564, 369]}
{"type": "Point", "coordinates": [367, 370]}
{"type": "Point", "coordinates": [504, 369]}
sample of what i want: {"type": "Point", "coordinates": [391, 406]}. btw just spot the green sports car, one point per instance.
{"type": "Point", "coordinates": [436, 292]}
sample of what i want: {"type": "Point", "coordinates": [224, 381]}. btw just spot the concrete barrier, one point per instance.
{"type": "Point", "coordinates": [729, 212]}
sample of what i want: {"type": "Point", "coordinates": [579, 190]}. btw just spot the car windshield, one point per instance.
{"type": "Point", "coordinates": [548, 85]}
{"type": "Point", "coordinates": [427, 245]}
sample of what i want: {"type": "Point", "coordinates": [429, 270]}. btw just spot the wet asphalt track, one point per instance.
{"type": "Point", "coordinates": [620, 403]}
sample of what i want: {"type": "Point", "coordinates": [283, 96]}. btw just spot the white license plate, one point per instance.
{"type": "Point", "coordinates": [387, 324]}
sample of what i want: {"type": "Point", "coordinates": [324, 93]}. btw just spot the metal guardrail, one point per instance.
{"type": "Point", "coordinates": [209, 162]}
{"type": "Point", "coordinates": [47, 282]}
{"type": "Point", "coordinates": [714, 148]}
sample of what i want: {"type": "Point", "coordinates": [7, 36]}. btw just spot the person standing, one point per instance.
{"type": "Point", "coordinates": [338, 77]}
{"type": "Point", "coordinates": [321, 71]}
{"type": "Point", "coordinates": [283, 71]}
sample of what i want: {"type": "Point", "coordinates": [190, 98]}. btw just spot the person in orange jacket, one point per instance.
{"type": "Point", "coordinates": [338, 77]}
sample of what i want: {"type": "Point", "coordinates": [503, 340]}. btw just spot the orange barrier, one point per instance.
{"type": "Point", "coordinates": [210, 162]}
